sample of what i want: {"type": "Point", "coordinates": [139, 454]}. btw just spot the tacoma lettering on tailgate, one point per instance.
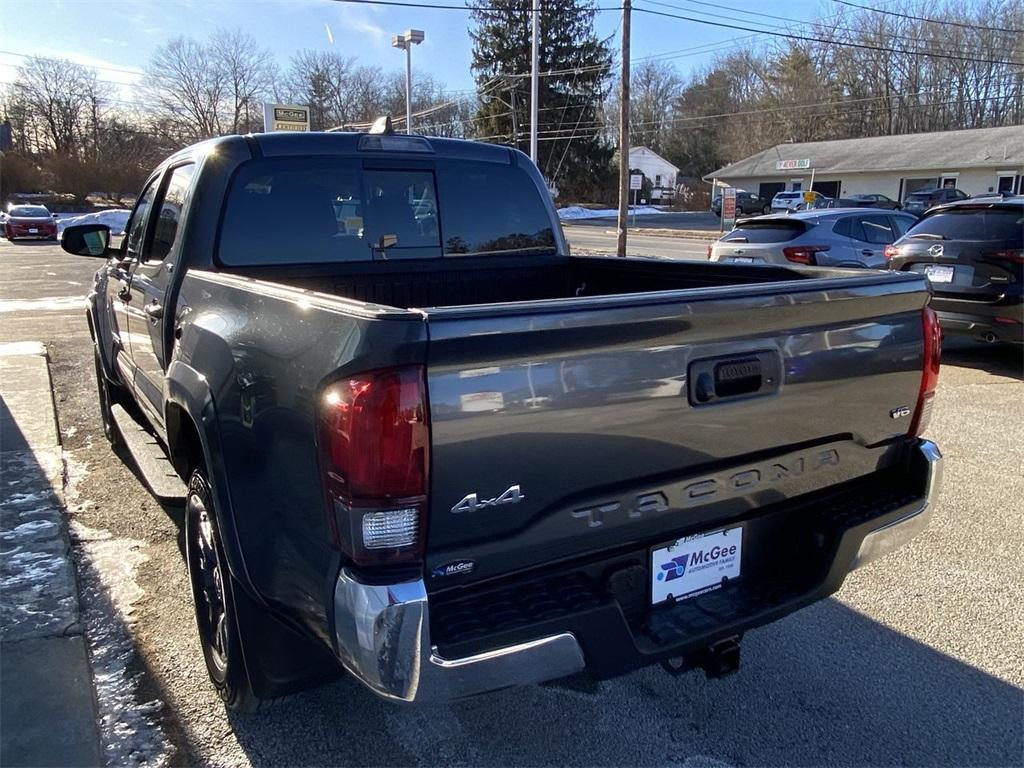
{"type": "Point", "coordinates": [710, 489]}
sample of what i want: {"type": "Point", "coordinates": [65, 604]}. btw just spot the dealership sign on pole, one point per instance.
{"type": "Point", "coordinates": [285, 117]}
{"type": "Point", "coordinates": [792, 165]}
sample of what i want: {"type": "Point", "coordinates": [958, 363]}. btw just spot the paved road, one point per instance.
{"type": "Point", "coordinates": [591, 239]}
{"type": "Point", "coordinates": [918, 660]}
{"type": "Point", "coordinates": [677, 220]}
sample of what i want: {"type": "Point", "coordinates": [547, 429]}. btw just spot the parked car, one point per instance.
{"type": "Point", "coordinates": [871, 200]}
{"type": "Point", "coordinates": [456, 465]}
{"type": "Point", "coordinates": [746, 203]}
{"type": "Point", "coordinates": [972, 252]}
{"type": "Point", "coordinates": [832, 237]}
{"type": "Point", "coordinates": [919, 202]}
{"type": "Point", "coordinates": [30, 222]}
{"type": "Point", "coordinates": [794, 201]}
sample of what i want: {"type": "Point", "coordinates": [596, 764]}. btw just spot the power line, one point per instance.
{"type": "Point", "coordinates": [826, 41]}
{"type": "Point", "coordinates": [961, 24]}
{"type": "Point", "coordinates": [924, 47]}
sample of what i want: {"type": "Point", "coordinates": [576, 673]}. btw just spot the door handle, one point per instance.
{"type": "Point", "coordinates": [154, 310]}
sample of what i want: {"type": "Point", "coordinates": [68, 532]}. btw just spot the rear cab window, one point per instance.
{"type": "Point", "coordinates": [975, 224]}
{"type": "Point", "coordinates": [766, 232]}
{"type": "Point", "coordinates": [336, 209]}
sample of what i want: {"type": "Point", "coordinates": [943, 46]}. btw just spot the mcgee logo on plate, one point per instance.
{"type": "Point", "coordinates": [696, 564]}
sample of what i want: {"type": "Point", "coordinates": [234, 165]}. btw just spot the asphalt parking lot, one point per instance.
{"type": "Point", "coordinates": [918, 660]}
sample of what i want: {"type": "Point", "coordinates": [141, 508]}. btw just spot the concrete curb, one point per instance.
{"type": "Point", "coordinates": [48, 710]}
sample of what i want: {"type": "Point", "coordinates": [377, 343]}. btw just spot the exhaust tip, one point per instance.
{"type": "Point", "coordinates": [989, 337]}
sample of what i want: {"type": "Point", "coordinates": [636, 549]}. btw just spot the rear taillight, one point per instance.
{"type": "Point", "coordinates": [374, 459]}
{"type": "Point", "coordinates": [804, 254]}
{"type": "Point", "coordinates": [1012, 255]}
{"type": "Point", "coordinates": [891, 252]}
{"type": "Point", "coordinates": [930, 372]}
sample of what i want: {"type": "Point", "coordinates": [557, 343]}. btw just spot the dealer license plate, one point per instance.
{"type": "Point", "coordinates": [695, 564]}
{"type": "Point", "coordinates": [743, 259]}
{"type": "Point", "coordinates": [939, 273]}
{"type": "Point", "coordinates": [33, 231]}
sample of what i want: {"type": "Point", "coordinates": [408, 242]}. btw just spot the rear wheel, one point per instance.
{"type": "Point", "coordinates": [106, 398]}
{"type": "Point", "coordinates": [213, 595]}
{"type": "Point", "coordinates": [766, 210]}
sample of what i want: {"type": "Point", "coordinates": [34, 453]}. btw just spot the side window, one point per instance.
{"type": "Point", "coordinates": [170, 207]}
{"type": "Point", "coordinates": [843, 227]}
{"type": "Point", "coordinates": [136, 229]}
{"type": "Point", "coordinates": [902, 225]}
{"type": "Point", "coordinates": [878, 229]}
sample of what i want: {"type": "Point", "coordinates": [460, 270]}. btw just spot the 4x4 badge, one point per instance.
{"type": "Point", "coordinates": [471, 502]}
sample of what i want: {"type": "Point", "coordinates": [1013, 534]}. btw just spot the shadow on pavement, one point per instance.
{"type": "Point", "coordinates": [826, 686]}
{"type": "Point", "coordinates": [997, 359]}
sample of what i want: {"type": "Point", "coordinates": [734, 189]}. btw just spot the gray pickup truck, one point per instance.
{"type": "Point", "coordinates": [417, 440]}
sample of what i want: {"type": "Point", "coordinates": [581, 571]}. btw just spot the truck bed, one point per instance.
{"type": "Point", "coordinates": [465, 282]}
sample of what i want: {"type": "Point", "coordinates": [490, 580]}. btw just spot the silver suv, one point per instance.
{"type": "Point", "coordinates": [830, 237]}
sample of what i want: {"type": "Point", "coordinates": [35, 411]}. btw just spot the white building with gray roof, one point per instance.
{"type": "Point", "coordinates": [975, 161]}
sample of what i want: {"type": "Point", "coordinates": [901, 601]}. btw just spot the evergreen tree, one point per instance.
{"type": "Point", "coordinates": [573, 152]}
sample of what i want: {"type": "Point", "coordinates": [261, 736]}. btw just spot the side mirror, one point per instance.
{"type": "Point", "coordinates": [87, 240]}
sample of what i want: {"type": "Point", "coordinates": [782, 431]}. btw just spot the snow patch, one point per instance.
{"type": "Point", "coordinates": [22, 348]}
{"type": "Point", "coordinates": [48, 304]}
{"type": "Point", "coordinates": [129, 729]}
{"type": "Point", "coordinates": [575, 212]}
{"type": "Point", "coordinates": [115, 218]}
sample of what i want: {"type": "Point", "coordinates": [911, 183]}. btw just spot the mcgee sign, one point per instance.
{"type": "Point", "coordinates": [285, 117]}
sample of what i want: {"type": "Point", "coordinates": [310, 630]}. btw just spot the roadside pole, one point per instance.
{"type": "Point", "coordinates": [620, 248]}
{"type": "Point", "coordinates": [534, 81]}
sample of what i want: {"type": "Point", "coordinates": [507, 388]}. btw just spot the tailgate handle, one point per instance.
{"type": "Point", "coordinates": [717, 379]}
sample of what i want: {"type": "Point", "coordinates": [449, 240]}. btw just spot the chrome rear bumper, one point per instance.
{"type": "Point", "coordinates": [382, 631]}
{"type": "Point", "coordinates": [383, 638]}
{"type": "Point", "coordinates": [894, 535]}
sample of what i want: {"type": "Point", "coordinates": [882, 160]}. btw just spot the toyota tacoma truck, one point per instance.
{"type": "Point", "coordinates": [418, 440]}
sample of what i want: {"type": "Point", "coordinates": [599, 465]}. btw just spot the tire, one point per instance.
{"type": "Point", "coordinates": [107, 398]}
{"type": "Point", "coordinates": [766, 210]}
{"type": "Point", "coordinates": [213, 597]}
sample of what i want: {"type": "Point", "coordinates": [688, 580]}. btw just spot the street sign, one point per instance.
{"type": "Point", "coordinates": [285, 117]}
{"type": "Point", "coordinates": [792, 165]}
{"type": "Point", "coordinates": [636, 181]}
{"type": "Point", "coordinates": [728, 207]}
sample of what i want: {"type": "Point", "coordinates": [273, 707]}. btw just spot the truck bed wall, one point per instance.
{"type": "Point", "coordinates": [457, 282]}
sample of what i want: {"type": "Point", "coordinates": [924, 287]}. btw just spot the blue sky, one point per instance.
{"type": "Point", "coordinates": [117, 35]}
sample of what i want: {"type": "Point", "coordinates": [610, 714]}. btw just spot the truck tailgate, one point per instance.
{"type": "Point", "coordinates": [564, 428]}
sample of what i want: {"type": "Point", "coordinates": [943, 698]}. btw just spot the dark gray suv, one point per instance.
{"type": "Point", "coordinates": [972, 252]}
{"type": "Point", "coordinates": [919, 202]}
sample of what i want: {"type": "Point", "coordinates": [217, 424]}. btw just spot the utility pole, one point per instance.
{"type": "Point", "coordinates": [620, 249]}
{"type": "Point", "coordinates": [515, 122]}
{"type": "Point", "coordinates": [534, 80]}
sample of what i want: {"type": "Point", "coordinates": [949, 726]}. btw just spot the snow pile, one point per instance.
{"type": "Point", "coordinates": [115, 218]}
{"type": "Point", "coordinates": [576, 212]}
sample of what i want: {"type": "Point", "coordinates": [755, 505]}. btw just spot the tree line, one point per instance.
{"type": "Point", "coordinates": [851, 73]}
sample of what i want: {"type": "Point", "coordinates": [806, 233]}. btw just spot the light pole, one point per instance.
{"type": "Point", "coordinates": [406, 41]}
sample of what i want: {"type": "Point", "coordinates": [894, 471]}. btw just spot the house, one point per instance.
{"type": "Point", "coordinates": [659, 171]}
{"type": "Point", "coordinates": [975, 161]}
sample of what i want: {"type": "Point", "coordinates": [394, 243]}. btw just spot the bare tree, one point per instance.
{"type": "Point", "coordinates": [53, 97]}
{"type": "Point", "coordinates": [205, 90]}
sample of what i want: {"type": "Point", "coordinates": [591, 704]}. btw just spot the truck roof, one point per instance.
{"type": "Point", "coordinates": [281, 144]}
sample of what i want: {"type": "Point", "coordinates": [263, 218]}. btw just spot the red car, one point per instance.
{"type": "Point", "coordinates": [30, 221]}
